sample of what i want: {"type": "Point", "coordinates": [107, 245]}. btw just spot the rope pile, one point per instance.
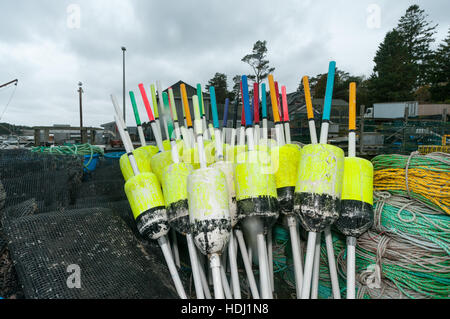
{"type": "Point", "coordinates": [425, 178]}
{"type": "Point", "coordinates": [80, 149]}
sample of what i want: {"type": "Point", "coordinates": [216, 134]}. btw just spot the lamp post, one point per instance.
{"type": "Point", "coordinates": [80, 91]}
{"type": "Point", "coordinates": [123, 51]}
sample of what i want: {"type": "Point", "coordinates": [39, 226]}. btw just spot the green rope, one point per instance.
{"type": "Point", "coordinates": [76, 149]}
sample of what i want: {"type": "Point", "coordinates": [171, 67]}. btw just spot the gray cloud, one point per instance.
{"type": "Point", "coordinates": [169, 41]}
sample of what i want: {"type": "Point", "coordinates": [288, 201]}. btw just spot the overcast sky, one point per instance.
{"type": "Point", "coordinates": [42, 44]}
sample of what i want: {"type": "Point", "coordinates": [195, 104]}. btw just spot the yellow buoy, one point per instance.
{"type": "Point", "coordinates": [319, 186]}
{"type": "Point", "coordinates": [357, 197]}
{"type": "Point", "coordinates": [159, 162]}
{"type": "Point", "coordinates": [175, 194]}
{"type": "Point", "coordinates": [147, 204]}
{"type": "Point", "coordinates": [142, 159]}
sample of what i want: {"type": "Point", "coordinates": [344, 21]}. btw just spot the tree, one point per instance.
{"type": "Point", "coordinates": [234, 93]}
{"type": "Point", "coordinates": [440, 74]}
{"type": "Point", "coordinates": [219, 82]}
{"type": "Point", "coordinates": [394, 74]}
{"type": "Point", "coordinates": [257, 60]}
{"type": "Point", "coordinates": [417, 34]}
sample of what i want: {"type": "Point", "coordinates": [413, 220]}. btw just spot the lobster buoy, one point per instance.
{"type": "Point", "coordinates": [357, 197]}
{"type": "Point", "coordinates": [319, 186]}
{"type": "Point", "coordinates": [147, 204]}
{"type": "Point", "coordinates": [209, 209]}
{"type": "Point", "coordinates": [176, 197]}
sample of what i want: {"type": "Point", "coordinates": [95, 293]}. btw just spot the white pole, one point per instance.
{"type": "Point", "coordinates": [177, 130]}
{"type": "Point", "coordinates": [141, 135]}
{"type": "Point", "coordinates": [270, 258]}
{"type": "Point", "coordinates": [203, 279]}
{"type": "Point", "coordinates": [257, 133]}
{"type": "Point", "coordinates": [214, 259]}
{"type": "Point", "coordinates": [316, 269]}
{"type": "Point", "coordinates": [306, 287]}
{"type": "Point", "coordinates": [351, 247]}
{"type": "Point", "coordinates": [332, 264]}
{"type": "Point", "coordinates": [287, 132]}
{"type": "Point", "coordinates": [161, 108]}
{"type": "Point", "coordinates": [247, 265]}
{"type": "Point", "coordinates": [264, 279]}
{"type": "Point", "coordinates": [242, 136]}
{"type": "Point", "coordinates": [195, 267]}
{"type": "Point", "coordinates": [298, 271]}
{"type": "Point", "coordinates": [312, 131]}
{"type": "Point", "coordinates": [176, 254]}
{"type": "Point", "coordinates": [226, 286]}
{"type": "Point", "coordinates": [352, 144]}
{"type": "Point", "coordinates": [172, 268]}
{"type": "Point", "coordinates": [234, 268]}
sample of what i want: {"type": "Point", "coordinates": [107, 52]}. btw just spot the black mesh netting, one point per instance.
{"type": "Point", "coordinates": [111, 260]}
{"type": "Point", "coordinates": [52, 216]}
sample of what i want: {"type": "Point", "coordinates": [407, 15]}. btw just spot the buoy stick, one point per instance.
{"type": "Point", "coordinates": [316, 269]}
{"type": "Point", "coordinates": [247, 264]}
{"type": "Point", "coordinates": [276, 115]}
{"type": "Point", "coordinates": [187, 111]}
{"type": "Point", "coordinates": [198, 132]}
{"type": "Point", "coordinates": [264, 111]}
{"type": "Point", "coordinates": [201, 104]}
{"type": "Point", "coordinates": [255, 104]}
{"type": "Point", "coordinates": [309, 259]}
{"type": "Point", "coordinates": [266, 290]}
{"type": "Point", "coordinates": [156, 132]}
{"type": "Point", "coordinates": [287, 129]}
{"type": "Point", "coordinates": [155, 109]}
{"type": "Point", "coordinates": [270, 258]}
{"type": "Point", "coordinates": [242, 129]}
{"type": "Point", "coordinates": [218, 139]}
{"type": "Point", "coordinates": [161, 240]}
{"type": "Point", "coordinates": [225, 285]}
{"type": "Point", "coordinates": [161, 107]}
{"type": "Point", "coordinates": [310, 111]}
{"type": "Point", "coordinates": [175, 158]}
{"type": "Point", "coordinates": [296, 255]}
{"type": "Point", "coordinates": [225, 121]}
{"type": "Point", "coordinates": [323, 140]}
{"type": "Point", "coordinates": [233, 268]}
{"type": "Point", "coordinates": [173, 108]}
{"type": "Point", "coordinates": [137, 118]}
{"type": "Point", "coordinates": [327, 103]}
{"type": "Point", "coordinates": [195, 267]}
{"type": "Point", "coordinates": [163, 243]}
{"type": "Point", "coordinates": [234, 127]}
{"type": "Point", "coordinates": [351, 241]}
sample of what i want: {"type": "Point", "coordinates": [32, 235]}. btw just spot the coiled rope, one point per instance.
{"type": "Point", "coordinates": [425, 178]}
{"type": "Point", "coordinates": [80, 149]}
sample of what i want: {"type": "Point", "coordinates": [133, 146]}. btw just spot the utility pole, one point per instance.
{"type": "Point", "coordinates": [10, 82]}
{"type": "Point", "coordinates": [80, 91]}
{"type": "Point", "coordinates": [123, 51]}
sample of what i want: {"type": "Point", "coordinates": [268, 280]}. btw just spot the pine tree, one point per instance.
{"type": "Point", "coordinates": [440, 76]}
{"type": "Point", "coordinates": [417, 33]}
{"type": "Point", "coordinates": [394, 75]}
{"type": "Point", "coordinates": [257, 60]}
{"type": "Point", "coordinates": [219, 82]}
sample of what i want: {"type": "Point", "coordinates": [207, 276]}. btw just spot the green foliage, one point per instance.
{"type": "Point", "coordinates": [417, 35]}
{"type": "Point", "coordinates": [394, 74]}
{"type": "Point", "coordinates": [219, 82]}
{"type": "Point", "coordinates": [440, 74]}
{"type": "Point", "coordinates": [341, 86]}
{"type": "Point", "coordinates": [257, 60]}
